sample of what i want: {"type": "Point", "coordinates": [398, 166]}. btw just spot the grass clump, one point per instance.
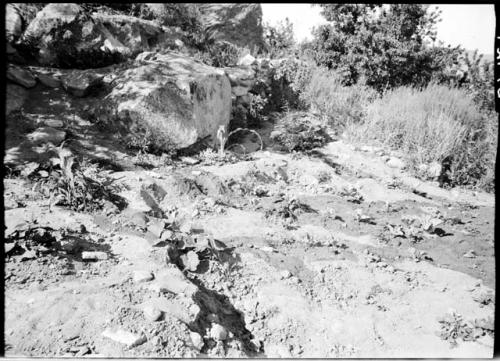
{"type": "Point", "coordinates": [430, 125]}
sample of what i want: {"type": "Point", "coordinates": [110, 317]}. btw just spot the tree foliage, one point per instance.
{"type": "Point", "coordinates": [279, 39]}
{"type": "Point", "coordinates": [383, 46]}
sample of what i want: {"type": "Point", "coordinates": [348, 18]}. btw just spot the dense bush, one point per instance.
{"type": "Point", "coordinates": [299, 131]}
{"type": "Point", "coordinates": [383, 46]}
{"type": "Point", "coordinates": [432, 124]}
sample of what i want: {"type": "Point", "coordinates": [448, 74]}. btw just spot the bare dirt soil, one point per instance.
{"type": "Point", "coordinates": [326, 254]}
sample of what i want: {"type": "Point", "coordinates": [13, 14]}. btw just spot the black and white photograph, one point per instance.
{"type": "Point", "coordinates": [250, 180]}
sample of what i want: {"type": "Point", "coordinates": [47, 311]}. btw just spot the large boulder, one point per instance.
{"type": "Point", "coordinates": [68, 35]}
{"type": "Point", "coordinates": [172, 96]}
{"type": "Point", "coordinates": [240, 24]}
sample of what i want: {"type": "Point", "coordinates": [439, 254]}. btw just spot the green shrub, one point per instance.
{"type": "Point", "coordinates": [289, 79]}
{"type": "Point", "coordinates": [219, 54]}
{"type": "Point", "coordinates": [429, 125]}
{"type": "Point", "coordinates": [299, 131]}
{"type": "Point", "coordinates": [337, 104]}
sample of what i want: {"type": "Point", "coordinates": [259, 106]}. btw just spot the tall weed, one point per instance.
{"type": "Point", "coordinates": [429, 125]}
{"type": "Point", "coordinates": [337, 104]}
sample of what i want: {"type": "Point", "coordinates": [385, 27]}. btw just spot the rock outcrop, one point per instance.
{"type": "Point", "coordinates": [66, 35]}
{"type": "Point", "coordinates": [240, 24]}
{"type": "Point", "coordinates": [173, 96]}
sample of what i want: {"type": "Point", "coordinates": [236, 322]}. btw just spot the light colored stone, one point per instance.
{"type": "Point", "coordinates": [47, 135]}
{"type": "Point", "coordinates": [173, 280]}
{"type": "Point", "coordinates": [152, 313]}
{"type": "Point", "coordinates": [197, 340]}
{"type": "Point", "coordinates": [128, 338]}
{"type": "Point", "coordinates": [94, 256]}
{"type": "Point", "coordinates": [53, 123]}
{"type": "Point", "coordinates": [397, 163]}
{"type": "Point", "coordinates": [81, 83]}
{"type": "Point", "coordinates": [434, 170]}
{"type": "Point", "coordinates": [142, 276]}
{"type": "Point", "coordinates": [218, 332]}
{"type": "Point", "coordinates": [247, 60]}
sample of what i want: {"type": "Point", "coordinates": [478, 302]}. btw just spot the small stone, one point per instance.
{"type": "Point", "coordinates": [197, 340]}
{"type": "Point", "coordinates": [54, 123]}
{"type": "Point", "coordinates": [285, 274]}
{"type": "Point", "coordinates": [28, 255]}
{"type": "Point", "coordinates": [142, 276]}
{"type": "Point", "coordinates": [397, 163]}
{"type": "Point", "coordinates": [434, 170]}
{"type": "Point", "coordinates": [152, 313]}
{"type": "Point", "coordinates": [94, 256]}
{"type": "Point", "coordinates": [128, 338]}
{"type": "Point", "coordinates": [247, 60]}
{"type": "Point", "coordinates": [196, 172]}
{"type": "Point", "coordinates": [191, 261]}
{"type": "Point", "coordinates": [295, 280]}
{"type": "Point", "coordinates": [218, 332]}
{"type": "Point", "coordinates": [190, 160]}
{"type": "Point", "coordinates": [470, 254]}
{"type": "Point", "coordinates": [166, 235]}
{"type": "Point", "coordinates": [156, 226]}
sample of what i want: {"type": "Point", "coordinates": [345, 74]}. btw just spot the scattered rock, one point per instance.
{"type": "Point", "coordinates": [173, 280]}
{"type": "Point", "coordinates": [166, 235]}
{"type": "Point", "coordinates": [152, 313]}
{"type": "Point", "coordinates": [285, 274]}
{"type": "Point", "coordinates": [142, 276]}
{"type": "Point", "coordinates": [397, 163]}
{"type": "Point", "coordinates": [81, 83]}
{"type": "Point", "coordinates": [197, 340]}
{"type": "Point", "coordinates": [191, 261]}
{"type": "Point", "coordinates": [94, 256]}
{"type": "Point", "coordinates": [434, 170]}
{"type": "Point", "coordinates": [128, 338]}
{"type": "Point", "coordinates": [47, 135]}
{"type": "Point", "coordinates": [190, 160]}
{"type": "Point", "coordinates": [470, 254]}
{"type": "Point", "coordinates": [247, 60]}
{"type": "Point", "coordinates": [218, 332]}
{"type": "Point", "coordinates": [20, 76]}
{"type": "Point", "coordinates": [156, 226]}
